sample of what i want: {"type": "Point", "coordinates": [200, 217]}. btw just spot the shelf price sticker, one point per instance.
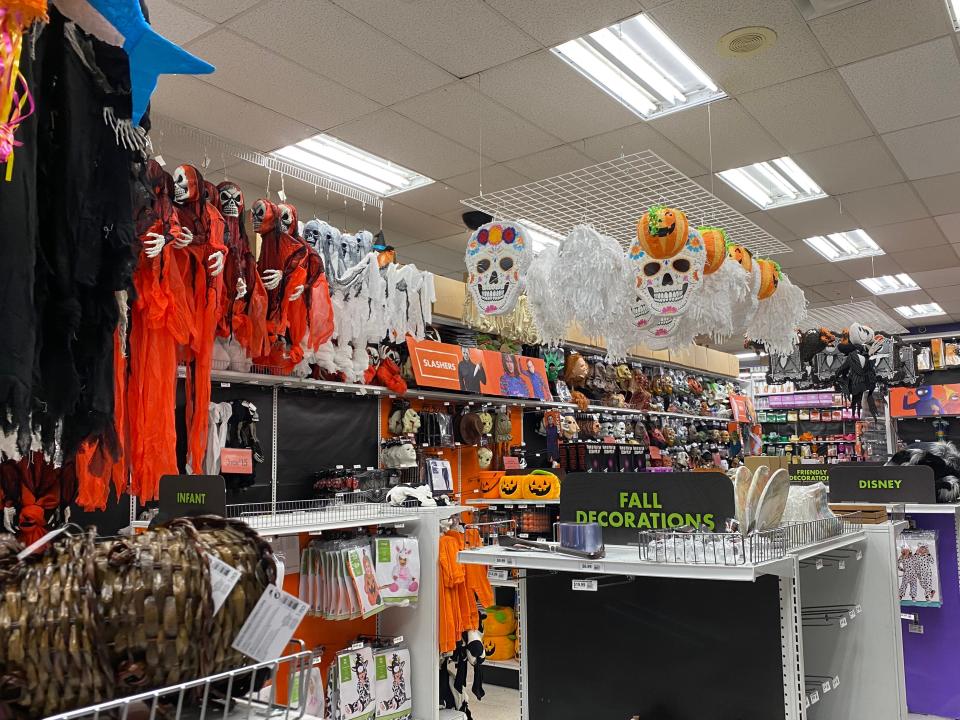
{"type": "Point", "coordinates": [806, 701]}
{"type": "Point", "coordinates": [587, 585]}
{"type": "Point", "coordinates": [859, 554]}
{"type": "Point", "coordinates": [497, 574]}
{"type": "Point", "coordinates": [852, 613]}
{"type": "Point", "coordinates": [843, 621]}
{"type": "Point", "coordinates": [270, 625]}
{"type": "Point", "coordinates": [591, 567]}
{"type": "Point", "coordinates": [505, 561]}
{"type": "Point", "coordinates": [814, 697]}
{"type": "Point", "coordinates": [841, 565]}
{"type": "Point", "coordinates": [915, 628]}
{"type": "Point", "coordinates": [859, 609]}
{"type": "Point", "coordinates": [819, 564]}
{"type": "Point", "coordinates": [826, 686]}
{"type": "Point", "coordinates": [836, 681]}
{"type": "Point", "coordinates": [222, 579]}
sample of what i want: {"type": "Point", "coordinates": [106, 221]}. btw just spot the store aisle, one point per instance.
{"type": "Point", "coordinates": [498, 704]}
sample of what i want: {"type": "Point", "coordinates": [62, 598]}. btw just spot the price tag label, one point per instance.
{"type": "Point", "coordinates": [859, 609]}
{"type": "Point", "coordinates": [224, 385]}
{"type": "Point", "coordinates": [819, 564]}
{"type": "Point", "coordinates": [36, 545]}
{"type": "Point", "coordinates": [523, 535]}
{"type": "Point", "coordinates": [270, 626]}
{"type": "Point", "coordinates": [497, 574]}
{"type": "Point", "coordinates": [842, 565]}
{"type": "Point", "coordinates": [836, 681]}
{"type": "Point", "coordinates": [505, 561]}
{"type": "Point", "coordinates": [591, 566]}
{"type": "Point", "coordinates": [806, 701]}
{"type": "Point", "coordinates": [843, 622]}
{"type": "Point", "coordinates": [355, 646]}
{"type": "Point", "coordinates": [522, 507]}
{"type": "Point", "coordinates": [222, 579]}
{"type": "Point", "coordinates": [814, 697]}
{"type": "Point", "coordinates": [859, 554]}
{"type": "Point", "coordinates": [588, 585]}
{"type": "Point", "coordinates": [398, 639]}
{"type": "Point", "coordinates": [852, 614]}
{"type": "Point", "coordinates": [826, 686]}
{"type": "Point", "coordinates": [915, 628]}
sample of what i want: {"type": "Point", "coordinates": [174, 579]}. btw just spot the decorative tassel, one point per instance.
{"type": "Point", "coordinates": [16, 101]}
{"type": "Point", "coordinates": [775, 323]}
{"type": "Point", "coordinates": [549, 315]}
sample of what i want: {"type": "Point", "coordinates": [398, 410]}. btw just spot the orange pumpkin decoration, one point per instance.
{"type": "Point", "coordinates": [540, 485]}
{"type": "Point", "coordinates": [741, 255]}
{"type": "Point", "coordinates": [490, 483]}
{"type": "Point", "coordinates": [769, 278]}
{"type": "Point", "coordinates": [511, 487]}
{"type": "Point", "coordinates": [662, 231]}
{"type": "Point", "coordinates": [715, 241]}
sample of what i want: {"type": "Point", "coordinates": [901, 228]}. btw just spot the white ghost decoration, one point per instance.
{"type": "Point", "coordinates": [498, 255]}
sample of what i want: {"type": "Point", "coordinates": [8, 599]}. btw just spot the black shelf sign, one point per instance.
{"type": "Point", "coordinates": [185, 495]}
{"type": "Point", "coordinates": [882, 483]}
{"type": "Point", "coordinates": [626, 503]}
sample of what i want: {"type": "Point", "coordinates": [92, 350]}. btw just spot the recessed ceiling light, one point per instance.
{"type": "Point", "coordinates": [773, 183]}
{"type": "Point", "coordinates": [539, 235]}
{"type": "Point", "coordinates": [920, 310]}
{"type": "Point", "coordinates": [637, 64]}
{"type": "Point", "coordinates": [953, 8]}
{"type": "Point", "coordinates": [889, 284]}
{"type": "Point", "coordinates": [844, 245]}
{"type": "Point", "coordinates": [341, 161]}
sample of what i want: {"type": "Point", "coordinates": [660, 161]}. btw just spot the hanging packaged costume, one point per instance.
{"type": "Point", "coordinates": [398, 569]}
{"type": "Point", "coordinates": [917, 569]}
{"type": "Point", "coordinates": [202, 269]}
{"type": "Point", "coordinates": [242, 435]}
{"type": "Point", "coordinates": [392, 672]}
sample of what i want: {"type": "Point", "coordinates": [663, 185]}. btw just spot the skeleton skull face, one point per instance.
{"type": "Point", "coordinates": [364, 243]}
{"type": "Point", "coordinates": [640, 309]}
{"type": "Point", "coordinates": [313, 233]}
{"type": "Point", "coordinates": [497, 258]}
{"type": "Point", "coordinates": [231, 199]}
{"type": "Point", "coordinates": [668, 285]}
{"type": "Point", "coordinates": [860, 334]}
{"type": "Point", "coordinates": [288, 218]}
{"type": "Point", "coordinates": [620, 430]}
{"type": "Point", "coordinates": [264, 215]}
{"type": "Point", "coordinates": [186, 184]}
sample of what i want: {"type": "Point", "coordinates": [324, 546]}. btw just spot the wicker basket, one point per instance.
{"type": "Point", "coordinates": [87, 621]}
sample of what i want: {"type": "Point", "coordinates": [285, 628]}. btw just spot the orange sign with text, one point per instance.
{"type": "Point", "coordinates": [478, 372]}
{"type": "Point", "coordinates": [743, 411]}
{"type": "Point", "coordinates": [925, 401]}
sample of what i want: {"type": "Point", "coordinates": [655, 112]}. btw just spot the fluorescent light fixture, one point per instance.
{"type": "Point", "coordinates": [844, 245]}
{"type": "Point", "coordinates": [638, 65]}
{"type": "Point", "coordinates": [749, 355]}
{"type": "Point", "coordinates": [539, 235]}
{"type": "Point", "coordinates": [773, 184]}
{"type": "Point", "coordinates": [341, 161]}
{"type": "Point", "coordinates": [953, 9]}
{"type": "Point", "coordinates": [920, 310]}
{"type": "Point", "coordinates": [889, 284]}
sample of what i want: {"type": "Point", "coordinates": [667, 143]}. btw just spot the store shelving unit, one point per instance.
{"type": "Point", "coordinates": [512, 503]}
{"type": "Point", "coordinates": [771, 601]}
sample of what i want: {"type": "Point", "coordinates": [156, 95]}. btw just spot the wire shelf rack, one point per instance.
{"type": "Point", "coordinates": [348, 509]}
{"type": "Point", "coordinates": [229, 695]}
{"type": "Point", "coordinates": [613, 195]}
{"type": "Point", "coordinates": [709, 548]}
{"type": "Point", "coordinates": [836, 317]}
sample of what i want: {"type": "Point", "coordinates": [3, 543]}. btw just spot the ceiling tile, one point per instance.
{"type": "Point", "coordinates": [436, 254]}
{"type": "Point", "coordinates": [879, 26]}
{"type": "Point", "coordinates": [178, 24]}
{"type": "Point", "coordinates": [814, 218]}
{"type": "Point", "coordinates": [941, 194]}
{"type": "Point", "coordinates": [851, 166]}
{"type": "Point", "coordinates": [947, 296]}
{"type": "Point", "coordinates": [766, 222]}
{"type": "Point", "coordinates": [950, 225]}
{"type": "Point", "coordinates": [869, 267]}
{"type": "Point", "coordinates": [697, 25]}
{"type": "Point", "coordinates": [548, 163]}
{"type": "Point", "coordinates": [635, 138]}
{"type": "Point", "coordinates": [905, 298]}
{"type": "Point", "coordinates": [884, 205]}
{"type": "Point", "coordinates": [738, 139]}
{"type": "Point", "coordinates": [807, 113]}
{"type": "Point", "coordinates": [545, 90]}
{"type": "Point", "coordinates": [555, 21]}
{"type": "Point", "coordinates": [337, 45]}
{"type": "Point", "coordinates": [842, 291]}
{"type": "Point", "coordinates": [194, 102]}
{"type": "Point", "coordinates": [818, 274]}
{"type": "Point", "coordinates": [456, 242]}
{"type": "Point", "coordinates": [249, 70]}
{"type": "Point", "coordinates": [461, 36]}
{"type": "Point", "coordinates": [433, 199]}
{"type": "Point", "coordinates": [414, 223]}
{"type": "Point", "coordinates": [927, 150]}
{"type": "Point", "coordinates": [455, 111]}
{"type": "Point", "coordinates": [934, 258]}
{"type": "Point", "coordinates": [801, 256]}
{"type": "Point", "coordinates": [940, 278]}
{"type": "Point", "coordinates": [394, 137]}
{"type": "Point", "coordinates": [218, 10]}
{"type": "Point", "coordinates": [898, 237]}
{"type": "Point", "coordinates": [916, 85]}
{"type": "Point", "coordinates": [495, 177]}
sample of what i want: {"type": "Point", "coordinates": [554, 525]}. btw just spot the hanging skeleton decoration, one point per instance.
{"type": "Point", "coordinates": [857, 375]}
{"type": "Point", "coordinates": [497, 258]}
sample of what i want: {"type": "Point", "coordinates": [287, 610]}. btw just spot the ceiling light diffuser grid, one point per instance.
{"type": "Point", "coordinates": [837, 317]}
{"type": "Point", "coordinates": [215, 146]}
{"type": "Point", "coordinates": [613, 195]}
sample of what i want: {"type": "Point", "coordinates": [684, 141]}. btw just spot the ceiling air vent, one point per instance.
{"type": "Point", "coordinates": [746, 41]}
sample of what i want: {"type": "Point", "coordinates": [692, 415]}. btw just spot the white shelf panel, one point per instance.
{"type": "Point", "coordinates": [825, 546]}
{"type": "Point", "coordinates": [512, 503]}
{"type": "Point", "coordinates": [317, 521]}
{"type": "Point", "coordinates": [914, 508]}
{"type": "Point", "coordinates": [513, 664]}
{"type": "Point", "coordinates": [512, 583]}
{"type": "Point", "coordinates": [622, 560]}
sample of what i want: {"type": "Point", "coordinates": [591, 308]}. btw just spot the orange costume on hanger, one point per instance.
{"type": "Point", "coordinates": [460, 587]}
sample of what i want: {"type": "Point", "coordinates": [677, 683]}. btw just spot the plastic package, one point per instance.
{"type": "Point", "coordinates": [585, 537]}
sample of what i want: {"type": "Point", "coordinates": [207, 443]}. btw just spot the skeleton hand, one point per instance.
{"type": "Point", "coordinates": [296, 293]}
{"type": "Point", "coordinates": [271, 279]}
{"type": "Point", "coordinates": [241, 289]}
{"type": "Point", "coordinates": [9, 513]}
{"type": "Point", "coordinates": [184, 238]}
{"type": "Point", "coordinates": [215, 263]}
{"type": "Point", "coordinates": [154, 246]}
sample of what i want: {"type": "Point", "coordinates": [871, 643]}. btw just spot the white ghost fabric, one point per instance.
{"type": "Point", "coordinates": [775, 323]}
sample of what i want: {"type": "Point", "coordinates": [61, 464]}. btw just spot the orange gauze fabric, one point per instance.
{"type": "Point", "coordinates": [321, 313]}
{"type": "Point", "coordinates": [93, 466]}
{"type": "Point", "coordinates": [469, 614]}
{"type": "Point", "coordinates": [477, 582]}
{"type": "Point", "coordinates": [450, 574]}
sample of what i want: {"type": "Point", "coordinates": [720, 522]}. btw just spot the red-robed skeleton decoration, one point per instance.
{"type": "Point", "coordinates": [203, 282]}
{"type": "Point", "coordinates": [282, 264]}
{"type": "Point", "coordinates": [245, 317]}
